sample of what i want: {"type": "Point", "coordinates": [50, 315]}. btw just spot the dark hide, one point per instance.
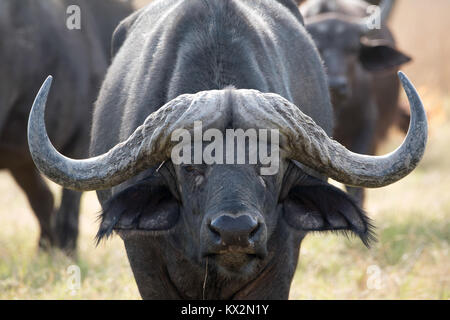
{"type": "Point", "coordinates": [147, 217]}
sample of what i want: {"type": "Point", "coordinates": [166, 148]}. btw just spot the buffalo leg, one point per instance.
{"type": "Point", "coordinates": [40, 199]}
{"type": "Point", "coordinates": [66, 221]}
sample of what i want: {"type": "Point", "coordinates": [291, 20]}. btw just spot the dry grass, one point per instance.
{"type": "Point", "coordinates": [412, 216]}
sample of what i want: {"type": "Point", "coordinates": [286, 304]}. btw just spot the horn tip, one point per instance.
{"type": "Point", "coordinates": [45, 88]}
{"type": "Point", "coordinates": [48, 80]}
{"type": "Point", "coordinates": [402, 75]}
{"type": "Point", "coordinates": [39, 103]}
{"type": "Point", "coordinates": [406, 83]}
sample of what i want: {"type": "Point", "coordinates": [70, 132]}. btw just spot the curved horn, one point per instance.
{"type": "Point", "coordinates": [385, 11]}
{"type": "Point", "coordinates": [301, 138]}
{"type": "Point", "coordinates": [334, 160]}
{"type": "Point", "coordinates": [306, 142]}
{"type": "Point", "coordinates": [149, 145]}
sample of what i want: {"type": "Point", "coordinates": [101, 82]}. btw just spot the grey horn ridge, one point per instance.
{"type": "Point", "coordinates": [304, 141]}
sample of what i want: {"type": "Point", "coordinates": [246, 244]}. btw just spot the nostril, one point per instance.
{"type": "Point", "coordinates": [214, 229]}
{"type": "Point", "coordinates": [254, 231]}
{"type": "Point", "coordinates": [338, 84]}
{"type": "Point", "coordinates": [233, 230]}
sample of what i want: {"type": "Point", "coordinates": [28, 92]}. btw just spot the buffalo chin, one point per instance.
{"type": "Point", "coordinates": [235, 264]}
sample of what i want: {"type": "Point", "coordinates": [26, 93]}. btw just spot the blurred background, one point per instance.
{"type": "Point", "coordinates": [409, 261]}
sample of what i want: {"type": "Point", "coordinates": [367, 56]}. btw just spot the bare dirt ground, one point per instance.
{"type": "Point", "coordinates": [409, 261]}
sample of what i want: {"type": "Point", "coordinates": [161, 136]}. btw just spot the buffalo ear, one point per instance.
{"type": "Point", "coordinates": [379, 55]}
{"type": "Point", "coordinates": [326, 208]}
{"type": "Point", "coordinates": [146, 206]}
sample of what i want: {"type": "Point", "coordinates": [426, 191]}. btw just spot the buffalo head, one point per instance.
{"type": "Point", "coordinates": [348, 45]}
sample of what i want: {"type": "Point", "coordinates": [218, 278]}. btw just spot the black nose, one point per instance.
{"type": "Point", "coordinates": [235, 231]}
{"type": "Point", "coordinates": [338, 85]}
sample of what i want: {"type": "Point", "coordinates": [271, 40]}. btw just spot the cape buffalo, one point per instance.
{"type": "Point", "coordinates": [34, 42]}
{"type": "Point", "coordinates": [362, 65]}
{"type": "Point", "coordinates": [218, 231]}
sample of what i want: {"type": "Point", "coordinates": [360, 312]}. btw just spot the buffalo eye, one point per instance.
{"type": "Point", "coordinates": [194, 169]}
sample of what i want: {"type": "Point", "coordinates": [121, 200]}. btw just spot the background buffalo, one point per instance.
{"type": "Point", "coordinates": [362, 66]}
{"type": "Point", "coordinates": [35, 41]}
